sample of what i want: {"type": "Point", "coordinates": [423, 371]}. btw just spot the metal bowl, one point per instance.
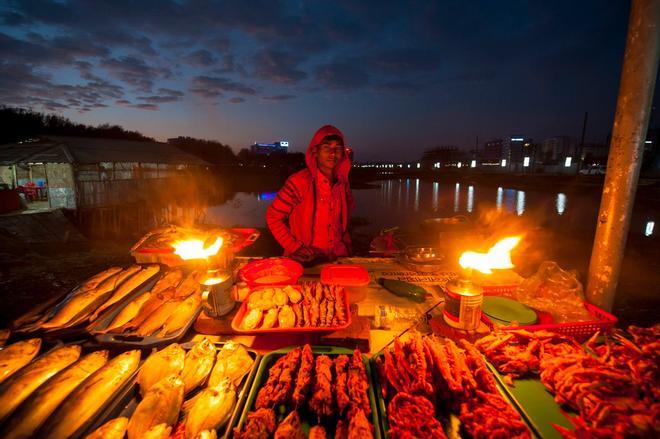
{"type": "Point", "coordinates": [424, 255]}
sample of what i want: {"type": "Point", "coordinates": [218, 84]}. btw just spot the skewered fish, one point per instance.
{"type": "Point", "coordinates": [17, 355]}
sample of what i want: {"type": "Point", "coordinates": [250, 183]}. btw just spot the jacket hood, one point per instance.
{"type": "Point", "coordinates": [344, 165]}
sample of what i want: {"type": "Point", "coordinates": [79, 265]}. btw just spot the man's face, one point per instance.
{"type": "Point", "coordinates": [330, 152]}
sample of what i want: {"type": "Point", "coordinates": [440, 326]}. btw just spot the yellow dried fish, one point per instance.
{"type": "Point", "coordinates": [211, 409]}
{"type": "Point", "coordinates": [233, 362]}
{"type": "Point", "coordinates": [169, 280]}
{"type": "Point", "coordinates": [189, 285]}
{"type": "Point", "coordinates": [127, 287]}
{"type": "Point", "coordinates": [17, 355]}
{"type": "Point", "coordinates": [85, 401]}
{"type": "Point", "coordinates": [31, 415]}
{"type": "Point", "coordinates": [161, 405]}
{"type": "Point", "coordinates": [166, 362]}
{"type": "Point", "coordinates": [198, 364]}
{"type": "Point", "coordinates": [113, 429]}
{"type": "Point", "coordinates": [184, 313]}
{"type": "Point", "coordinates": [128, 312]}
{"type": "Point", "coordinates": [155, 301]}
{"type": "Point", "coordinates": [207, 434]}
{"type": "Point", "coordinates": [17, 388]}
{"type": "Point", "coordinates": [95, 280]}
{"type": "Point", "coordinates": [158, 318]}
{"type": "Point", "coordinates": [80, 305]}
{"type": "Point", "coordinates": [160, 431]}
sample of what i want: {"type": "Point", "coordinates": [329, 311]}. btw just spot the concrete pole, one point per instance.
{"type": "Point", "coordinates": [633, 107]}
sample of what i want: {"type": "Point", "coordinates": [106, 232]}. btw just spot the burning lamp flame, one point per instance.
{"type": "Point", "coordinates": [498, 257]}
{"type": "Point", "coordinates": [194, 249]}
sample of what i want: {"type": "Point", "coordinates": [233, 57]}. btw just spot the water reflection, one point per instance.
{"type": "Point", "coordinates": [457, 197]}
{"type": "Point", "coordinates": [561, 203]}
{"type": "Point", "coordinates": [509, 200]}
{"type": "Point", "coordinates": [648, 231]}
{"type": "Point", "coordinates": [520, 203]}
{"type": "Point", "coordinates": [416, 194]}
{"type": "Point", "coordinates": [436, 187]}
{"type": "Point", "coordinates": [470, 199]}
{"type": "Point", "coordinates": [498, 200]}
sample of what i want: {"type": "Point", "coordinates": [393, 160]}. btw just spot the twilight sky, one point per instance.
{"type": "Point", "coordinates": [396, 77]}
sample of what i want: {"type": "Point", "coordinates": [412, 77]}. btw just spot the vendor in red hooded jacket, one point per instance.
{"type": "Point", "coordinates": [309, 217]}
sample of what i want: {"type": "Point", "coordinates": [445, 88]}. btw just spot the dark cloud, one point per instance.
{"type": "Point", "coordinates": [236, 100]}
{"type": "Point", "coordinates": [210, 87]}
{"type": "Point", "coordinates": [402, 61]}
{"type": "Point", "coordinates": [278, 66]}
{"type": "Point", "coordinates": [278, 97]}
{"type": "Point", "coordinates": [342, 75]}
{"type": "Point", "coordinates": [135, 72]}
{"type": "Point", "coordinates": [12, 18]}
{"type": "Point", "coordinates": [398, 87]}
{"type": "Point", "coordinates": [201, 58]}
{"type": "Point", "coordinates": [165, 95]}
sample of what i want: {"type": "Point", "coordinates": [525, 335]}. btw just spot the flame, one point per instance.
{"type": "Point", "coordinates": [194, 249]}
{"type": "Point", "coordinates": [498, 257]}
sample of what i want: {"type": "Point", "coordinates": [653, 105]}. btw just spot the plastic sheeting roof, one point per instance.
{"type": "Point", "coordinates": [90, 150]}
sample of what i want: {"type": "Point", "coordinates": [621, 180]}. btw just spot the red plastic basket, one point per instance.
{"type": "Point", "coordinates": [236, 323]}
{"type": "Point", "coordinates": [581, 331]}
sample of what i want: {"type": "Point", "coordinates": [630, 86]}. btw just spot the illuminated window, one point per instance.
{"type": "Point", "coordinates": [459, 164]}
{"type": "Point", "coordinates": [568, 161]}
{"type": "Point", "coordinates": [526, 162]}
{"type": "Point", "coordinates": [503, 162]}
{"type": "Point", "coordinates": [473, 164]}
{"type": "Point", "coordinates": [649, 228]}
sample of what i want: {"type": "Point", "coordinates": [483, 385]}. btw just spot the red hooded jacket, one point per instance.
{"type": "Point", "coordinates": [291, 215]}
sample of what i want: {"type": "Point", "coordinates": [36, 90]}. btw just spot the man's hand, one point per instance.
{"type": "Point", "coordinates": [304, 254]}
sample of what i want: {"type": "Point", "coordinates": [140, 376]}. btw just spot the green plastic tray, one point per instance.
{"type": "Point", "coordinates": [331, 351]}
{"type": "Point", "coordinates": [453, 423]}
{"type": "Point", "coordinates": [536, 405]}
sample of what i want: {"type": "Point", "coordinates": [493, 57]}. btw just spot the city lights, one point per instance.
{"type": "Point", "coordinates": [567, 162]}
{"type": "Point", "coordinates": [503, 163]}
{"type": "Point", "coordinates": [526, 162]}
{"type": "Point", "coordinates": [473, 164]}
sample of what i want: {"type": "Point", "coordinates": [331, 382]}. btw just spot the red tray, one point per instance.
{"type": "Point", "coordinates": [345, 275]}
{"type": "Point", "coordinates": [240, 314]}
{"type": "Point", "coordinates": [288, 269]}
{"type": "Point", "coordinates": [603, 322]}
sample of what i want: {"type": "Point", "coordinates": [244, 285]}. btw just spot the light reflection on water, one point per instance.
{"type": "Point", "coordinates": [393, 205]}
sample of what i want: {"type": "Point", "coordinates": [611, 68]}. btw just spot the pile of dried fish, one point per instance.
{"type": "Point", "coordinates": [168, 307]}
{"type": "Point", "coordinates": [92, 297]}
{"type": "Point", "coordinates": [164, 380]}
{"type": "Point", "coordinates": [58, 392]}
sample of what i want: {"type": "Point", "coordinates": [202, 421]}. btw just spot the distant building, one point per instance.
{"type": "Point", "coordinates": [493, 151]}
{"type": "Point", "coordinates": [443, 156]}
{"type": "Point", "coordinates": [555, 150]}
{"type": "Point", "coordinates": [268, 148]}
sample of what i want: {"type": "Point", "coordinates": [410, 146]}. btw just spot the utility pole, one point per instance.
{"type": "Point", "coordinates": [633, 107]}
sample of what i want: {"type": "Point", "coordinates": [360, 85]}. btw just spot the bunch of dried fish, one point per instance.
{"type": "Point", "coordinates": [17, 355]}
{"type": "Point", "coordinates": [168, 307]}
{"type": "Point", "coordinates": [93, 296]}
{"type": "Point", "coordinates": [168, 375]}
